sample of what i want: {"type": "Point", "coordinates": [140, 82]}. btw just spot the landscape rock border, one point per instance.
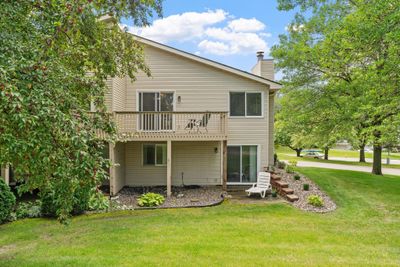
{"type": "Point", "coordinates": [182, 197]}
{"type": "Point", "coordinates": [297, 186]}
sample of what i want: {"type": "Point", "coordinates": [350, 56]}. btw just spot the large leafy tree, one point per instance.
{"type": "Point", "coordinates": [353, 47]}
{"type": "Point", "coordinates": [308, 117]}
{"type": "Point", "coordinates": [54, 59]}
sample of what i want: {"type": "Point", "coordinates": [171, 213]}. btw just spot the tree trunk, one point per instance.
{"type": "Point", "coordinates": [298, 152]}
{"type": "Point", "coordinates": [377, 161]}
{"type": "Point", "coordinates": [362, 153]}
{"type": "Point", "coordinates": [326, 153]}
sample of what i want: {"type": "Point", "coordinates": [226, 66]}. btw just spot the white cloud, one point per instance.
{"type": "Point", "coordinates": [237, 42]}
{"type": "Point", "coordinates": [215, 47]}
{"type": "Point", "coordinates": [246, 25]}
{"type": "Point", "coordinates": [214, 31]}
{"type": "Point", "coordinates": [181, 27]}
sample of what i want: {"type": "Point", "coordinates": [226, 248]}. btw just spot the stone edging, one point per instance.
{"type": "Point", "coordinates": [183, 207]}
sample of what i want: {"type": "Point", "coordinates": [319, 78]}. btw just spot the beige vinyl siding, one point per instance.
{"type": "Point", "coordinates": [109, 94]}
{"type": "Point", "coordinates": [267, 69]}
{"type": "Point", "coordinates": [203, 88]}
{"type": "Point", "coordinates": [137, 174]}
{"type": "Point", "coordinates": [119, 158]}
{"type": "Point", "coordinates": [119, 93]}
{"type": "Point", "coordinates": [256, 70]}
{"type": "Point", "coordinates": [197, 160]}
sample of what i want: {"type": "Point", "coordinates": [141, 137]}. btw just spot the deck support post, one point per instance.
{"type": "Point", "coordinates": [112, 169]}
{"type": "Point", "coordinates": [169, 168]}
{"type": "Point", "coordinates": [224, 164]}
{"type": "Point", "coordinates": [5, 173]}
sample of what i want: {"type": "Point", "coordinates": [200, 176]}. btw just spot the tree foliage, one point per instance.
{"type": "Point", "coordinates": [352, 49]}
{"type": "Point", "coordinates": [54, 59]}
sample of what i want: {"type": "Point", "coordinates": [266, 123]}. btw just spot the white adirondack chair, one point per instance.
{"type": "Point", "coordinates": [262, 186]}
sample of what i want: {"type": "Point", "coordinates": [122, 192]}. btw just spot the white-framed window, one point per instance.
{"type": "Point", "coordinates": [246, 104]}
{"type": "Point", "coordinates": [154, 154]}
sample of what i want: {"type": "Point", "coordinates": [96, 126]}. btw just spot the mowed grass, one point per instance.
{"type": "Point", "coordinates": [365, 230]}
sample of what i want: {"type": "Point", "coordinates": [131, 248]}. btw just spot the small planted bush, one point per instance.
{"type": "Point", "coordinates": [306, 187]}
{"type": "Point", "coordinates": [315, 200]}
{"type": "Point", "coordinates": [293, 163]}
{"type": "Point", "coordinates": [99, 202]}
{"type": "Point", "coordinates": [271, 169]}
{"type": "Point", "coordinates": [30, 209]}
{"type": "Point", "coordinates": [150, 200]}
{"type": "Point", "coordinates": [274, 193]}
{"type": "Point", "coordinates": [7, 201]}
{"type": "Point", "coordinates": [297, 177]}
{"type": "Point", "coordinates": [281, 165]}
{"type": "Point", "coordinates": [289, 169]}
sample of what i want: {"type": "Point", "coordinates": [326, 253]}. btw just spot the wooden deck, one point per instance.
{"type": "Point", "coordinates": [174, 126]}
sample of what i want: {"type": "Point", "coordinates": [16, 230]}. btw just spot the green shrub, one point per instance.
{"type": "Point", "coordinates": [99, 202]}
{"type": "Point", "coordinates": [31, 209]}
{"type": "Point", "coordinates": [275, 159]}
{"type": "Point", "coordinates": [281, 165]}
{"type": "Point", "coordinates": [7, 201]}
{"type": "Point", "coordinates": [48, 207]}
{"type": "Point", "coordinates": [297, 177]}
{"type": "Point", "coordinates": [150, 200]}
{"type": "Point", "coordinates": [293, 163]}
{"type": "Point", "coordinates": [271, 169]}
{"type": "Point", "coordinates": [289, 169]}
{"type": "Point", "coordinates": [84, 200]}
{"type": "Point", "coordinates": [306, 187]}
{"type": "Point", "coordinates": [315, 200]}
{"type": "Point", "coordinates": [274, 193]}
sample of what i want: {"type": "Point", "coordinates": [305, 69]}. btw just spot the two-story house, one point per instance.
{"type": "Point", "coordinates": [193, 122]}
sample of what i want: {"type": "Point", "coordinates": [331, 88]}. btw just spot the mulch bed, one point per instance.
{"type": "Point", "coordinates": [302, 203]}
{"type": "Point", "coordinates": [182, 197]}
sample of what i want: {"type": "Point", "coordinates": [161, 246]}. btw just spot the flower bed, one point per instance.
{"type": "Point", "coordinates": [182, 197]}
{"type": "Point", "coordinates": [313, 189]}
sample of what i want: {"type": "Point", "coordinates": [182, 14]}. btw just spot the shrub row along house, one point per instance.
{"type": "Point", "coordinates": [193, 122]}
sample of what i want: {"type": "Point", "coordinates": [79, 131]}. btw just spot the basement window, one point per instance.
{"type": "Point", "coordinates": [155, 154]}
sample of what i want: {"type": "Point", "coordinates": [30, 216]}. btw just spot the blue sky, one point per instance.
{"type": "Point", "coordinates": [227, 31]}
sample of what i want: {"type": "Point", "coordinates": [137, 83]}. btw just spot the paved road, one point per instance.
{"type": "Point", "coordinates": [345, 167]}
{"type": "Point", "coordinates": [392, 161]}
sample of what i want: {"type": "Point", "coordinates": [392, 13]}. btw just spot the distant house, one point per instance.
{"type": "Point", "coordinates": [194, 122]}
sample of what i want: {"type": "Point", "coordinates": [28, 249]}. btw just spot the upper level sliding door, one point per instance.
{"type": "Point", "coordinates": [156, 102]}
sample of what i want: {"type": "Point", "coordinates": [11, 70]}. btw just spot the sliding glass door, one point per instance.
{"type": "Point", "coordinates": [149, 103]}
{"type": "Point", "coordinates": [242, 164]}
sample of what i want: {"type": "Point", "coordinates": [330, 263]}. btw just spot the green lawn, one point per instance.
{"type": "Point", "coordinates": [363, 231]}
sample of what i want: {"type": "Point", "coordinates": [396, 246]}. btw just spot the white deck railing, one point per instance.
{"type": "Point", "coordinates": [204, 125]}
